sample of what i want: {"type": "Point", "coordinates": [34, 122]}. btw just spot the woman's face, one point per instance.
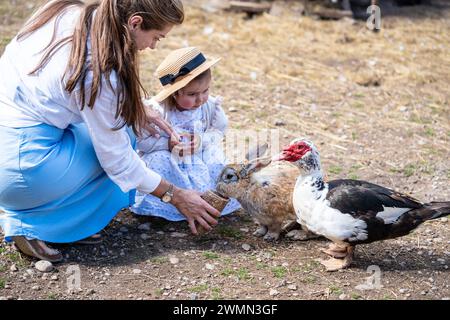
{"type": "Point", "coordinates": [146, 38]}
{"type": "Point", "coordinates": [193, 95]}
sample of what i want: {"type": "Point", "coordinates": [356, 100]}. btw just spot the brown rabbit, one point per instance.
{"type": "Point", "coordinates": [264, 189]}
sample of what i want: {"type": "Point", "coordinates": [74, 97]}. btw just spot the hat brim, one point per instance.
{"type": "Point", "coordinates": [171, 88]}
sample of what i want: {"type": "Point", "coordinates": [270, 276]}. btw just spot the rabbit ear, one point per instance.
{"type": "Point", "coordinates": [253, 166]}
{"type": "Point", "coordinates": [256, 152]}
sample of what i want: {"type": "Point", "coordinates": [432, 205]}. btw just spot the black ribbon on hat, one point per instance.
{"type": "Point", "coordinates": [184, 70]}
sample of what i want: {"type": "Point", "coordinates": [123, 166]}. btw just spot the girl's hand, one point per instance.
{"type": "Point", "coordinates": [190, 145]}
{"type": "Point", "coordinates": [195, 209]}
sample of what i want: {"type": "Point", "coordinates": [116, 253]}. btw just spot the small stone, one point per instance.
{"type": "Point", "coordinates": [91, 291]}
{"type": "Point", "coordinates": [137, 271]}
{"type": "Point", "coordinates": [292, 287]}
{"type": "Point", "coordinates": [178, 235]}
{"type": "Point", "coordinates": [193, 296]}
{"type": "Point", "coordinates": [35, 288]}
{"type": "Point", "coordinates": [444, 220]}
{"type": "Point", "coordinates": [285, 264]}
{"type": "Point", "coordinates": [144, 226]}
{"type": "Point", "coordinates": [402, 290]}
{"type": "Point", "coordinates": [55, 277]}
{"type": "Point", "coordinates": [44, 266]}
{"type": "Point", "coordinates": [13, 268]}
{"type": "Point", "coordinates": [123, 229]}
{"type": "Point", "coordinates": [246, 247]}
{"type": "Point", "coordinates": [280, 123]}
{"type": "Point", "coordinates": [209, 266]}
{"type": "Point", "coordinates": [244, 229]}
{"type": "Point", "coordinates": [145, 236]}
{"type": "Point", "coordinates": [232, 109]}
{"type": "Point", "coordinates": [174, 260]}
{"type": "Point", "coordinates": [273, 292]}
{"type": "Point", "coordinates": [342, 296]}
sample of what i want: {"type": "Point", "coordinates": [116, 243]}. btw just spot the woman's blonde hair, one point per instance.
{"type": "Point", "coordinates": [112, 48]}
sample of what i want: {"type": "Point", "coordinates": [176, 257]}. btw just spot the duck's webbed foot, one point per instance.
{"type": "Point", "coordinates": [342, 257]}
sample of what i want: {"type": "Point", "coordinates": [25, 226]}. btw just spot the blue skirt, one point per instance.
{"type": "Point", "coordinates": [52, 186]}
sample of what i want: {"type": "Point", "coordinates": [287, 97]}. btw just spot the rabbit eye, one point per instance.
{"type": "Point", "coordinates": [229, 176]}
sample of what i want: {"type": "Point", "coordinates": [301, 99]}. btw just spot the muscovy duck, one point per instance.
{"type": "Point", "coordinates": [351, 212]}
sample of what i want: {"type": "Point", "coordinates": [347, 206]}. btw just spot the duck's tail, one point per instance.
{"type": "Point", "coordinates": [435, 210]}
{"type": "Point", "coordinates": [415, 217]}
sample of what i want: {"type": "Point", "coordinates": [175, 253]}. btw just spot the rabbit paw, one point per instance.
{"type": "Point", "coordinates": [261, 231]}
{"type": "Point", "coordinates": [271, 236]}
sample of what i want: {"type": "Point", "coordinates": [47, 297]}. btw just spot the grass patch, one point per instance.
{"type": "Point", "coordinates": [335, 290]}
{"type": "Point", "coordinates": [229, 232]}
{"type": "Point", "coordinates": [2, 283]}
{"type": "Point", "coordinates": [279, 272]}
{"type": "Point", "coordinates": [52, 296]}
{"type": "Point", "coordinates": [430, 132]}
{"type": "Point", "coordinates": [199, 288]}
{"type": "Point", "coordinates": [159, 260]}
{"type": "Point", "coordinates": [216, 294]}
{"type": "Point", "coordinates": [409, 170]}
{"type": "Point", "coordinates": [335, 170]}
{"type": "Point", "coordinates": [210, 255]}
{"type": "Point", "coordinates": [355, 296]}
{"type": "Point", "coordinates": [243, 274]}
{"type": "Point", "coordinates": [227, 272]}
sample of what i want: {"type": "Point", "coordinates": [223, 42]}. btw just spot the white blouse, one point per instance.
{"type": "Point", "coordinates": [41, 98]}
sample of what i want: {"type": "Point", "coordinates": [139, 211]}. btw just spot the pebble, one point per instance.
{"type": "Point", "coordinates": [174, 260]}
{"type": "Point", "coordinates": [35, 288]}
{"type": "Point", "coordinates": [402, 290]}
{"type": "Point", "coordinates": [145, 236]}
{"type": "Point", "coordinates": [178, 235]}
{"type": "Point", "coordinates": [193, 296]}
{"type": "Point", "coordinates": [444, 219]}
{"type": "Point", "coordinates": [55, 277]}
{"type": "Point", "coordinates": [273, 292]}
{"type": "Point", "coordinates": [342, 296]}
{"type": "Point", "coordinates": [246, 247]}
{"type": "Point", "coordinates": [144, 226]}
{"type": "Point", "coordinates": [280, 123]}
{"type": "Point", "coordinates": [123, 229]}
{"type": "Point", "coordinates": [292, 287]}
{"type": "Point", "coordinates": [13, 268]}
{"type": "Point", "coordinates": [137, 271]}
{"type": "Point", "coordinates": [44, 266]}
{"type": "Point", "coordinates": [209, 266]}
{"type": "Point", "coordinates": [232, 109]}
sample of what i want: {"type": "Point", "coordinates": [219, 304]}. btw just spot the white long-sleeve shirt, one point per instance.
{"type": "Point", "coordinates": [41, 98]}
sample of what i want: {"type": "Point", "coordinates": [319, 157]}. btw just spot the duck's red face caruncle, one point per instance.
{"type": "Point", "coordinates": [294, 151]}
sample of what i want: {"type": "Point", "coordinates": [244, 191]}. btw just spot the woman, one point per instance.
{"type": "Point", "coordinates": [70, 107]}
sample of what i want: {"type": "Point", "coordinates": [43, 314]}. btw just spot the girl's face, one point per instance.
{"type": "Point", "coordinates": [144, 39]}
{"type": "Point", "coordinates": [193, 95]}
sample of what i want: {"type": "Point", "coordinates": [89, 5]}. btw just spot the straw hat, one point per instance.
{"type": "Point", "coordinates": [179, 68]}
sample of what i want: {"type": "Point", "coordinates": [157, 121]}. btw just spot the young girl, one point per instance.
{"type": "Point", "coordinates": [196, 161]}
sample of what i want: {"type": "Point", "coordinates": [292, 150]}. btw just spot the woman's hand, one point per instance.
{"type": "Point", "coordinates": [195, 209]}
{"type": "Point", "coordinates": [154, 118]}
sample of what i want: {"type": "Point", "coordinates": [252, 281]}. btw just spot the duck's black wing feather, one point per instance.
{"type": "Point", "coordinates": [358, 197]}
{"type": "Point", "coordinates": [364, 200]}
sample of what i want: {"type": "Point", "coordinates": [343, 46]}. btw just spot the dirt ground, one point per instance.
{"type": "Point", "coordinates": [376, 105]}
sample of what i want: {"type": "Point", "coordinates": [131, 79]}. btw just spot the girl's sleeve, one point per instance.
{"type": "Point", "coordinates": [218, 125]}
{"type": "Point", "coordinates": [113, 147]}
{"type": "Point", "coordinates": [148, 143]}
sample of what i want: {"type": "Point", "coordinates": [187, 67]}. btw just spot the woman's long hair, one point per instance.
{"type": "Point", "coordinates": [112, 48]}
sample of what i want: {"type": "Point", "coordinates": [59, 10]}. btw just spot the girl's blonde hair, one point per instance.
{"type": "Point", "coordinates": [170, 103]}
{"type": "Point", "coordinates": [112, 48]}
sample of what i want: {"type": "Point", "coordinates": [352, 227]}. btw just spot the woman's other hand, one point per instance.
{"type": "Point", "coordinates": [195, 209]}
